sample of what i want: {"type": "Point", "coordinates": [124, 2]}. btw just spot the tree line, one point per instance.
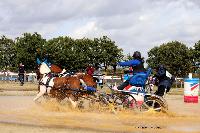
{"type": "Point", "coordinates": [64, 51]}
{"type": "Point", "coordinates": [177, 57]}
{"type": "Point", "coordinates": [74, 54]}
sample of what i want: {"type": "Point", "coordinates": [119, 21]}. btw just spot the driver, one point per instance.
{"type": "Point", "coordinates": [137, 64]}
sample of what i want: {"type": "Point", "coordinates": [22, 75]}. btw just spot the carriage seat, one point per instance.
{"type": "Point", "coordinates": [140, 79]}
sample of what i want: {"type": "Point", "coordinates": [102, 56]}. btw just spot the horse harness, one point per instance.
{"type": "Point", "coordinates": [46, 84]}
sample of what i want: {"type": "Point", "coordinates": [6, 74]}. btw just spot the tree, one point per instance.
{"type": "Point", "coordinates": [85, 52]}
{"type": "Point", "coordinates": [63, 51]}
{"type": "Point", "coordinates": [196, 57]}
{"type": "Point", "coordinates": [174, 55]}
{"type": "Point", "coordinates": [27, 48]}
{"type": "Point", "coordinates": [106, 51]}
{"type": "Point", "coordinates": [60, 51]}
{"type": "Point", "coordinates": [7, 53]}
{"type": "Point", "coordinates": [76, 54]}
{"type": "Point", "coordinates": [196, 51]}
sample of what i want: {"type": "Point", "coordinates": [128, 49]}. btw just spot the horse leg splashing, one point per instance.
{"type": "Point", "coordinates": [72, 83]}
{"type": "Point", "coordinates": [43, 89]}
{"type": "Point", "coordinates": [65, 87]}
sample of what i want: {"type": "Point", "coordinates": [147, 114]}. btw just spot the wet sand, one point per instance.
{"type": "Point", "coordinates": [19, 114]}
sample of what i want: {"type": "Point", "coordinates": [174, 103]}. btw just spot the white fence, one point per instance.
{"type": "Point", "coordinates": [31, 77]}
{"type": "Point", "coordinates": [12, 76]}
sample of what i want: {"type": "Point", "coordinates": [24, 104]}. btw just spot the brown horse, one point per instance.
{"type": "Point", "coordinates": [54, 69]}
{"type": "Point", "coordinates": [65, 87]}
{"type": "Point", "coordinates": [58, 87]}
{"type": "Point", "coordinates": [88, 79]}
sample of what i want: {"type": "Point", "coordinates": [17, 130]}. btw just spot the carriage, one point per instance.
{"type": "Point", "coordinates": [136, 97]}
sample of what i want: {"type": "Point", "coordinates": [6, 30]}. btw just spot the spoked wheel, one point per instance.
{"type": "Point", "coordinates": [154, 103]}
{"type": "Point", "coordinates": [109, 102]}
{"type": "Point", "coordinates": [129, 102]}
{"type": "Point", "coordinates": [119, 101]}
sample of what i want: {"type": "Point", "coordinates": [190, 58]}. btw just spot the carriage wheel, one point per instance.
{"type": "Point", "coordinates": [118, 101]}
{"type": "Point", "coordinates": [107, 103]}
{"type": "Point", "coordinates": [154, 103]}
{"type": "Point", "coordinates": [130, 103]}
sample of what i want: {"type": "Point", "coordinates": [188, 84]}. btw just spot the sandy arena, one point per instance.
{"type": "Point", "coordinates": [19, 114]}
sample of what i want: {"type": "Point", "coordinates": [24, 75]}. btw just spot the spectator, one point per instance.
{"type": "Point", "coordinates": [21, 73]}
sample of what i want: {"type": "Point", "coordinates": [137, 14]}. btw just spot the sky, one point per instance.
{"type": "Point", "coordinates": [134, 25]}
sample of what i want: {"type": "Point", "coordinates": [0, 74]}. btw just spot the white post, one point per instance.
{"type": "Point", "coordinates": [190, 75]}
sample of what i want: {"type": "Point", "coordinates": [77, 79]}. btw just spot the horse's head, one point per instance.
{"type": "Point", "coordinates": [43, 68]}
{"type": "Point", "coordinates": [88, 79]}
{"type": "Point", "coordinates": [53, 68]}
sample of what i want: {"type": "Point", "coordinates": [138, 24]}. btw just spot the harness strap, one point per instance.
{"type": "Point", "coordinates": [47, 82]}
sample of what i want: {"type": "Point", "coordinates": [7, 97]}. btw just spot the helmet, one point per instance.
{"type": "Point", "coordinates": [137, 55]}
{"type": "Point", "coordinates": [160, 66]}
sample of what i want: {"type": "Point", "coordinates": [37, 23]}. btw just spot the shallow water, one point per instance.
{"type": "Point", "coordinates": [22, 110]}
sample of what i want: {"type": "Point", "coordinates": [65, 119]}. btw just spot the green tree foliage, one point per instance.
{"type": "Point", "coordinates": [77, 54]}
{"type": "Point", "coordinates": [27, 48]}
{"type": "Point", "coordinates": [108, 52]}
{"type": "Point", "coordinates": [7, 53]}
{"type": "Point", "coordinates": [83, 53]}
{"type": "Point", "coordinates": [174, 55]}
{"type": "Point", "coordinates": [60, 50]}
{"type": "Point", "coordinates": [196, 52]}
{"type": "Point", "coordinates": [74, 54]}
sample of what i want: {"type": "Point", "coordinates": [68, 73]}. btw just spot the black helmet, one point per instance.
{"type": "Point", "coordinates": [161, 66]}
{"type": "Point", "coordinates": [137, 55]}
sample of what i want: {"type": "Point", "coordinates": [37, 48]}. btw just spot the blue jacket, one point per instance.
{"type": "Point", "coordinates": [136, 64]}
{"type": "Point", "coordinates": [130, 63]}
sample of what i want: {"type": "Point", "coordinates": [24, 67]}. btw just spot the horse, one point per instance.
{"type": "Point", "coordinates": [56, 70]}
{"type": "Point", "coordinates": [87, 79]}
{"type": "Point", "coordinates": [58, 87]}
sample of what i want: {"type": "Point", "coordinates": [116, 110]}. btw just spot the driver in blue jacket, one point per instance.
{"type": "Point", "coordinates": [137, 64]}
